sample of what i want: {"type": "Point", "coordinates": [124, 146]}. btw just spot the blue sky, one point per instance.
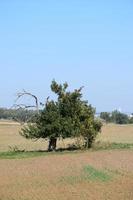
{"type": "Point", "coordinates": [83, 42]}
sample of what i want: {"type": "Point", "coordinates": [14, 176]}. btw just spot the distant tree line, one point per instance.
{"type": "Point", "coordinates": [116, 117]}
{"type": "Point", "coordinates": [20, 115]}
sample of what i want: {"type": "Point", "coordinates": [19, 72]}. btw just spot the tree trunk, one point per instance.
{"type": "Point", "coordinates": [88, 143]}
{"type": "Point", "coordinates": [52, 144]}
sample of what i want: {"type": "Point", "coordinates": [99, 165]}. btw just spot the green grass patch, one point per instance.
{"type": "Point", "coordinates": [109, 146]}
{"type": "Point", "coordinates": [83, 178]}
{"type": "Point", "coordinates": [96, 175]}
{"type": "Point", "coordinates": [88, 174]}
{"type": "Point", "coordinates": [20, 155]}
{"type": "Point", "coordinates": [31, 154]}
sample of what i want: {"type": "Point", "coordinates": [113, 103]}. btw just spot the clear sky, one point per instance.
{"type": "Point", "coordinates": [83, 42]}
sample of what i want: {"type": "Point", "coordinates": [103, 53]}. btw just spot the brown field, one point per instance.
{"type": "Point", "coordinates": [62, 177]}
{"type": "Point", "coordinates": [90, 175]}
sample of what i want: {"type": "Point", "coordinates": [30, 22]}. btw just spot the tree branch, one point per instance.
{"type": "Point", "coordinates": [23, 93]}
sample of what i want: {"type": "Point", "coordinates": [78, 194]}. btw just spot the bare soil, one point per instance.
{"type": "Point", "coordinates": [49, 177]}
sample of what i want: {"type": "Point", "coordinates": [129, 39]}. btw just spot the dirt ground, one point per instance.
{"type": "Point", "coordinates": [59, 177]}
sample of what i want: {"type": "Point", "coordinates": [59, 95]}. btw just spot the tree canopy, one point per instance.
{"type": "Point", "coordinates": [68, 116]}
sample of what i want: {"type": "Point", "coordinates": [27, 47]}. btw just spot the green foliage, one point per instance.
{"type": "Point", "coordinates": [20, 115]}
{"type": "Point", "coordinates": [116, 117]}
{"type": "Point", "coordinates": [119, 118]}
{"type": "Point", "coordinates": [105, 116]}
{"type": "Point", "coordinates": [69, 116]}
{"type": "Point", "coordinates": [131, 120]}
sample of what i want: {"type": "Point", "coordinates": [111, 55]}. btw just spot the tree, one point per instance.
{"type": "Point", "coordinates": [20, 115]}
{"type": "Point", "coordinates": [131, 120]}
{"type": "Point", "coordinates": [105, 116]}
{"type": "Point", "coordinates": [68, 116]}
{"type": "Point", "coordinates": [119, 118]}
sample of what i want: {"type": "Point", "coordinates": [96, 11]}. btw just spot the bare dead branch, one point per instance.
{"type": "Point", "coordinates": [23, 93]}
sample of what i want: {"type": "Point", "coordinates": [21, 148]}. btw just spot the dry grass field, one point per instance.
{"type": "Point", "coordinates": [9, 137]}
{"type": "Point", "coordinates": [116, 133]}
{"type": "Point", "coordinates": [89, 175]}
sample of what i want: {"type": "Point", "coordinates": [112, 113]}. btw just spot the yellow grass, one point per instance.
{"type": "Point", "coordinates": [9, 137]}
{"type": "Point", "coordinates": [116, 133]}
